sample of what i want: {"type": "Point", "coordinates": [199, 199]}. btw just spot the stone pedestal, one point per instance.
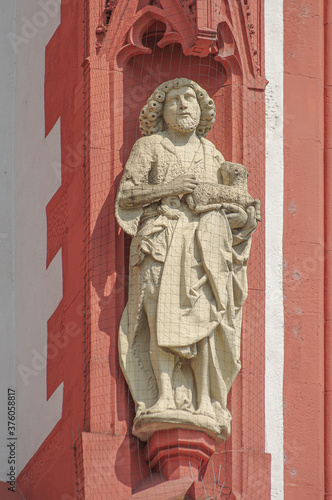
{"type": "Point", "coordinates": [179, 452]}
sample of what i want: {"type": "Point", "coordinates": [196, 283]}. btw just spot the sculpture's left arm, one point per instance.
{"type": "Point", "coordinates": [244, 233]}
{"type": "Point", "coordinates": [242, 222]}
{"type": "Point", "coordinates": [237, 217]}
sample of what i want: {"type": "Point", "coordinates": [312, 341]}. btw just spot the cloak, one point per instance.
{"type": "Point", "coordinates": [204, 274]}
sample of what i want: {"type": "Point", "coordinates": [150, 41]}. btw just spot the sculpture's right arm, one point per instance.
{"type": "Point", "coordinates": [137, 196]}
{"type": "Point", "coordinates": [135, 190]}
{"type": "Point", "coordinates": [132, 196]}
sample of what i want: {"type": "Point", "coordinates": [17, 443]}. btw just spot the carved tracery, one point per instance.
{"type": "Point", "coordinates": [225, 29]}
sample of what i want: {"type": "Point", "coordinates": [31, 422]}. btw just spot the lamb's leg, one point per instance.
{"type": "Point", "coordinates": [257, 205]}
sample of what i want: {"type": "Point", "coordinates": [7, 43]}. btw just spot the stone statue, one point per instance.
{"type": "Point", "coordinates": [191, 218]}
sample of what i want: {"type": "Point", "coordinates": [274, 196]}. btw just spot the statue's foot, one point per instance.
{"type": "Point", "coordinates": [140, 409]}
{"type": "Point", "coordinates": [162, 405]}
{"type": "Point", "coordinates": [205, 408]}
{"type": "Point", "coordinates": [188, 408]}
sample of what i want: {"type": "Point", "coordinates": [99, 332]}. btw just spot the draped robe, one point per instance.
{"type": "Point", "coordinates": [199, 267]}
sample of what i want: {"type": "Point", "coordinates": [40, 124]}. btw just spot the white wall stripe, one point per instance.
{"type": "Point", "coordinates": [7, 351]}
{"type": "Point", "coordinates": [274, 325]}
{"type": "Point", "coordinates": [37, 291]}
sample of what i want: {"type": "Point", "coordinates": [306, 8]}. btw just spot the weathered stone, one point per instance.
{"type": "Point", "coordinates": [191, 218]}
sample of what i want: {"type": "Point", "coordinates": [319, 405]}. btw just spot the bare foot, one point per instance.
{"type": "Point", "coordinates": [205, 408]}
{"type": "Point", "coordinates": [162, 405]}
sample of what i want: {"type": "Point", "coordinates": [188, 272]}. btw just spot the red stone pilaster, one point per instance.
{"type": "Point", "coordinates": [304, 249]}
{"type": "Point", "coordinates": [328, 250]}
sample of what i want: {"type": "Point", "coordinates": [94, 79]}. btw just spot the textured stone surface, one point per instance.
{"type": "Point", "coordinates": [191, 217]}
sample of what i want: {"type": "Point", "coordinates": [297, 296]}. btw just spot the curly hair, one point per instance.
{"type": "Point", "coordinates": [151, 116]}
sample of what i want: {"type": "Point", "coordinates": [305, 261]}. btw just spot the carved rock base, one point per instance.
{"type": "Point", "coordinates": [147, 424]}
{"type": "Point", "coordinates": [178, 453]}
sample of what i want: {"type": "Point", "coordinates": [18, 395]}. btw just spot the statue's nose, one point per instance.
{"type": "Point", "coordinates": [183, 103]}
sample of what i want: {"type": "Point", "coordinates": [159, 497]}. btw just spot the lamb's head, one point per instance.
{"type": "Point", "coordinates": [233, 174]}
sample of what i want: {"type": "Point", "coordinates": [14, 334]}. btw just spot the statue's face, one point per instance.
{"type": "Point", "coordinates": [182, 112]}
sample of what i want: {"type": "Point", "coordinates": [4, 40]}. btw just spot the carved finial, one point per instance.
{"type": "Point", "coordinates": [252, 32]}
{"type": "Point", "coordinates": [189, 7]}
{"type": "Point", "coordinates": [101, 29]}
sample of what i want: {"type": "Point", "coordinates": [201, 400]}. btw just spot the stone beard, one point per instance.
{"type": "Point", "coordinates": [191, 218]}
{"type": "Point", "coordinates": [184, 124]}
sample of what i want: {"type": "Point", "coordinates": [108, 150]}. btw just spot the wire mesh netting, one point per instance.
{"type": "Point", "coordinates": [155, 265]}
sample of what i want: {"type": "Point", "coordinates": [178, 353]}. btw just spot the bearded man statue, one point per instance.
{"type": "Point", "coordinates": [191, 219]}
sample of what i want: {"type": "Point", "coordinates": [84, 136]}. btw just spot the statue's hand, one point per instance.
{"type": "Point", "coordinates": [249, 226]}
{"type": "Point", "coordinates": [182, 184]}
{"type": "Point", "coordinates": [237, 216]}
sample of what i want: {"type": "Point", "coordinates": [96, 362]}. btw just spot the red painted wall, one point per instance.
{"type": "Point", "coordinates": [328, 249]}
{"type": "Point", "coordinates": [50, 474]}
{"type": "Point", "coordinates": [53, 470]}
{"type": "Point", "coordinates": [92, 251]}
{"type": "Point", "coordinates": [304, 250]}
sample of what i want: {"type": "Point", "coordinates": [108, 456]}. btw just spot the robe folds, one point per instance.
{"type": "Point", "coordinates": [198, 266]}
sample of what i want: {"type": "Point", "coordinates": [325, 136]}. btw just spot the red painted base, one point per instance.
{"type": "Point", "coordinates": [178, 453]}
{"type": "Point", "coordinates": [103, 467]}
{"type": "Point", "coordinates": [165, 490]}
{"type": "Point", "coordinates": [236, 475]}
